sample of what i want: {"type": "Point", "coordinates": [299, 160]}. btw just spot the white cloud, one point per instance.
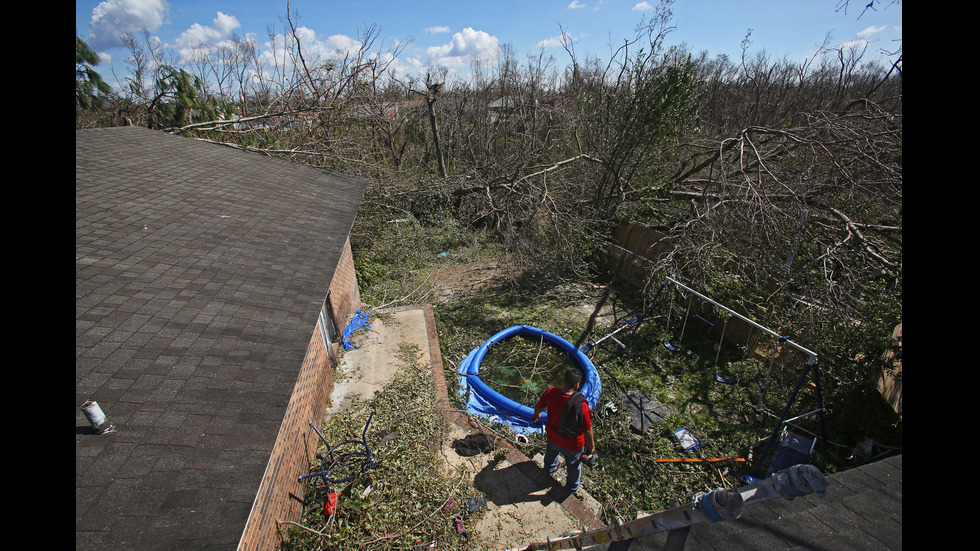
{"type": "Point", "coordinates": [315, 51]}
{"type": "Point", "coordinates": [554, 41]}
{"type": "Point", "coordinates": [466, 45]}
{"type": "Point", "coordinates": [439, 29]}
{"type": "Point", "coordinates": [642, 6]}
{"type": "Point", "coordinates": [855, 45]}
{"type": "Point", "coordinates": [575, 5]}
{"type": "Point", "coordinates": [338, 45]}
{"type": "Point", "coordinates": [402, 65]}
{"type": "Point", "coordinates": [113, 18]}
{"type": "Point", "coordinates": [870, 31]}
{"type": "Point", "coordinates": [202, 38]}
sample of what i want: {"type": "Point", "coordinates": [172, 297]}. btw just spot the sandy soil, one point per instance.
{"type": "Point", "coordinates": [518, 510]}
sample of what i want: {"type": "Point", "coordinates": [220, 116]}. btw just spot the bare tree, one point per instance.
{"type": "Point", "coordinates": [431, 95]}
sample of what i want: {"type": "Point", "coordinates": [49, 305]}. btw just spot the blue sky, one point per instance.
{"type": "Point", "coordinates": [451, 33]}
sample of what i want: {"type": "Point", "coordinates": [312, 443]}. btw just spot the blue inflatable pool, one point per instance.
{"type": "Point", "coordinates": [484, 401]}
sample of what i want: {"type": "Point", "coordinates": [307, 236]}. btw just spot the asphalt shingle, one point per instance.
{"type": "Point", "coordinates": [861, 511]}
{"type": "Point", "coordinates": [199, 274]}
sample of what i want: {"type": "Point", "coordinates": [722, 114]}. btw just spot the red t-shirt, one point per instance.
{"type": "Point", "coordinates": [554, 400]}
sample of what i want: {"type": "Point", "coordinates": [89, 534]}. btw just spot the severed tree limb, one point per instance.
{"type": "Point", "coordinates": [279, 523]}
{"type": "Point", "coordinates": [227, 122]}
{"type": "Point", "coordinates": [560, 164]}
{"type": "Point", "coordinates": [865, 244]}
{"type": "Point", "coordinates": [509, 181]}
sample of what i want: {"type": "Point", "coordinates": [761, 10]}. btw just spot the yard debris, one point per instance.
{"type": "Point", "coordinates": [388, 436]}
{"type": "Point", "coordinates": [460, 529]}
{"type": "Point", "coordinates": [458, 519]}
{"type": "Point", "coordinates": [448, 505]}
{"type": "Point", "coordinates": [331, 505]}
{"type": "Point", "coordinates": [475, 504]}
{"type": "Point", "coordinates": [474, 444]}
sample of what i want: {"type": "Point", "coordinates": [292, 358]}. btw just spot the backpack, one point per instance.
{"type": "Point", "coordinates": [570, 423]}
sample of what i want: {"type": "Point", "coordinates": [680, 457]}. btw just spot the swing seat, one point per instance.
{"type": "Point", "coordinates": [721, 379]}
{"type": "Point", "coordinates": [669, 346]}
{"type": "Point", "coordinates": [792, 449]}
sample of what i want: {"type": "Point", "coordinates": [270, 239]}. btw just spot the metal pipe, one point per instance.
{"type": "Point", "coordinates": [813, 355]}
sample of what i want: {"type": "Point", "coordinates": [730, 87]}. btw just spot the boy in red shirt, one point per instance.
{"type": "Point", "coordinates": [570, 446]}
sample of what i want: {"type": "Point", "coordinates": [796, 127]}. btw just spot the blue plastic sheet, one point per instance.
{"type": "Point", "coordinates": [359, 320]}
{"type": "Point", "coordinates": [482, 400]}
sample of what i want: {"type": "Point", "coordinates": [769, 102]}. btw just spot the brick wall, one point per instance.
{"type": "Point", "coordinates": [345, 296]}
{"type": "Point", "coordinates": [280, 493]}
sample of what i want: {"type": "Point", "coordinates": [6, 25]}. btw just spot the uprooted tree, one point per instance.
{"type": "Point", "coordinates": [778, 183]}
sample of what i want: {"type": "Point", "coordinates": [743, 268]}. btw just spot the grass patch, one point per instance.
{"type": "Point", "coordinates": [401, 504]}
{"type": "Point", "coordinates": [628, 479]}
{"type": "Point", "coordinates": [729, 419]}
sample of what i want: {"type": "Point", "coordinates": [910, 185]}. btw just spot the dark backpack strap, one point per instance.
{"type": "Point", "coordinates": [570, 424]}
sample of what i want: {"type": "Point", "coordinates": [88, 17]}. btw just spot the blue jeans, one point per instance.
{"type": "Point", "coordinates": [573, 463]}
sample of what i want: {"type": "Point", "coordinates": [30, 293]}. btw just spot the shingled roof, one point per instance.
{"type": "Point", "coordinates": [862, 510]}
{"type": "Point", "coordinates": [200, 271]}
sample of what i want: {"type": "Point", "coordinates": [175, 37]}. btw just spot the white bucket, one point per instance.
{"type": "Point", "coordinates": [94, 414]}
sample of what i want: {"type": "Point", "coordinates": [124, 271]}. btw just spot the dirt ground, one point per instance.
{"type": "Point", "coordinates": [518, 510]}
{"type": "Point", "coordinates": [520, 505]}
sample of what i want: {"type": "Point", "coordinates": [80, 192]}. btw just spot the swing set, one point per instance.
{"type": "Point", "coordinates": [790, 447]}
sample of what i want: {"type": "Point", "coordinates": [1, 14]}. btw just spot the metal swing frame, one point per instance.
{"type": "Point", "coordinates": [810, 369]}
{"type": "Point", "coordinates": [633, 323]}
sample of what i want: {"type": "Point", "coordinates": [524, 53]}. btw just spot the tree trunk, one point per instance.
{"type": "Point", "coordinates": [430, 100]}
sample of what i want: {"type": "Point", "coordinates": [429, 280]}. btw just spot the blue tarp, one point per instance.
{"type": "Point", "coordinates": [484, 401]}
{"type": "Point", "coordinates": [359, 320]}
